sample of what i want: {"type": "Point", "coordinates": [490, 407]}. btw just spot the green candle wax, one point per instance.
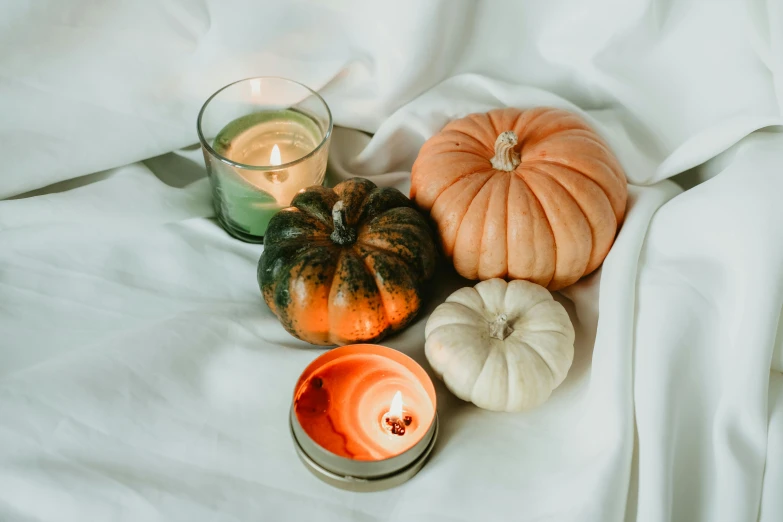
{"type": "Point", "coordinates": [248, 193]}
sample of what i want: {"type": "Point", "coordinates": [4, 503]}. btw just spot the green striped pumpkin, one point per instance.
{"type": "Point", "coordinates": [346, 265]}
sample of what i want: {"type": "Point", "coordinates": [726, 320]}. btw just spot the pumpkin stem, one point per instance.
{"type": "Point", "coordinates": [499, 328]}
{"type": "Point", "coordinates": [505, 158]}
{"type": "Point", "coordinates": [342, 233]}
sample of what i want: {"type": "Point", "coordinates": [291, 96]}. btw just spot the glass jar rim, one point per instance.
{"type": "Point", "coordinates": [246, 166]}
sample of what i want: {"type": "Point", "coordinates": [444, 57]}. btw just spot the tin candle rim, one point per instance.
{"type": "Point", "coordinates": [355, 482]}
{"type": "Point", "coordinates": [364, 475]}
{"type": "Point", "coordinates": [205, 143]}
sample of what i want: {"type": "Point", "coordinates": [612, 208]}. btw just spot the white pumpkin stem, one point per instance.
{"type": "Point", "coordinates": [342, 233]}
{"type": "Point", "coordinates": [506, 158]}
{"type": "Point", "coordinates": [499, 328]}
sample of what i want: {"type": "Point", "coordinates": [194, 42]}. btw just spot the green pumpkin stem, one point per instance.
{"type": "Point", "coordinates": [342, 233]}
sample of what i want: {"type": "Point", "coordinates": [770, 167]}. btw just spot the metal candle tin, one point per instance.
{"type": "Point", "coordinates": [361, 475]}
{"type": "Point", "coordinates": [364, 475]}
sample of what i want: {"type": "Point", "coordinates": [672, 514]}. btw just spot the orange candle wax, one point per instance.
{"type": "Point", "coordinates": [344, 402]}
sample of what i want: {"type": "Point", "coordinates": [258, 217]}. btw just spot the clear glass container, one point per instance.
{"type": "Point", "coordinates": [264, 139]}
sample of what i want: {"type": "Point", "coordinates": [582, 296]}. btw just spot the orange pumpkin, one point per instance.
{"type": "Point", "coordinates": [348, 264]}
{"type": "Point", "coordinates": [521, 194]}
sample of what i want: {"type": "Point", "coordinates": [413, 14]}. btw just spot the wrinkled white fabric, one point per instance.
{"type": "Point", "coordinates": [143, 378]}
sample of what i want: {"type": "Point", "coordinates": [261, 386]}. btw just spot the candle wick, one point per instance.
{"type": "Point", "coordinates": [397, 425]}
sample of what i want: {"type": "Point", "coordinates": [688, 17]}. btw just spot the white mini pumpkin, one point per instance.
{"type": "Point", "coordinates": [502, 346]}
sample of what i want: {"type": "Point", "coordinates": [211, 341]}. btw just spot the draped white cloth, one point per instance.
{"type": "Point", "coordinates": [143, 378]}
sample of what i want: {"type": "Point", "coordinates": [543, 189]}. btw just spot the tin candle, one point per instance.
{"type": "Point", "coordinates": [364, 417]}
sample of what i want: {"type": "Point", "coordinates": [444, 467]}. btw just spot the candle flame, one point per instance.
{"type": "Point", "coordinates": [274, 158]}
{"type": "Point", "coordinates": [395, 410]}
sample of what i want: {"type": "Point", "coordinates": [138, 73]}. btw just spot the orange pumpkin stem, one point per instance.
{"type": "Point", "coordinates": [342, 234]}
{"type": "Point", "coordinates": [506, 158]}
{"type": "Point", "coordinates": [499, 328]}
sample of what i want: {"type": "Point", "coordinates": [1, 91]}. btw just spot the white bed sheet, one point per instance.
{"type": "Point", "coordinates": [142, 377]}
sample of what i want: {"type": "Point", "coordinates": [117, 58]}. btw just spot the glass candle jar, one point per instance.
{"type": "Point", "coordinates": [264, 139]}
